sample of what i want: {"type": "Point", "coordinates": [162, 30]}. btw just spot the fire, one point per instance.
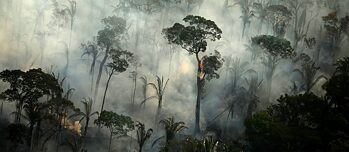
{"type": "Point", "coordinates": [74, 126]}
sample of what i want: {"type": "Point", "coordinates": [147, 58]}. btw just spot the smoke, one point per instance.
{"type": "Point", "coordinates": [29, 40]}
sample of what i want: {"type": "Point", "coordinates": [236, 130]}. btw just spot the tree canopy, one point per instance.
{"type": "Point", "coordinates": [194, 36]}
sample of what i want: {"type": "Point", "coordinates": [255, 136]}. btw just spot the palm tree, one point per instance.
{"type": "Point", "coordinates": [254, 84]}
{"type": "Point", "coordinates": [144, 87]}
{"type": "Point", "coordinates": [160, 88]}
{"type": "Point", "coordinates": [238, 69]}
{"type": "Point", "coordinates": [308, 72]}
{"type": "Point", "coordinates": [142, 134]}
{"type": "Point", "coordinates": [172, 128]}
{"type": "Point", "coordinates": [87, 114]}
{"type": "Point", "coordinates": [119, 63]}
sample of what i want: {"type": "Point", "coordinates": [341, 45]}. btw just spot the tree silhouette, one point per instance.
{"type": "Point", "coordinates": [308, 72]}
{"type": "Point", "coordinates": [144, 87]}
{"type": "Point", "coordinates": [247, 14]}
{"type": "Point", "coordinates": [193, 38]}
{"type": "Point", "coordinates": [120, 62]}
{"type": "Point", "coordinates": [117, 124]}
{"type": "Point", "coordinates": [142, 134]}
{"type": "Point", "coordinates": [87, 113]}
{"type": "Point", "coordinates": [134, 76]}
{"type": "Point", "coordinates": [301, 25]}
{"type": "Point", "coordinates": [160, 88]}
{"type": "Point", "coordinates": [336, 28]}
{"type": "Point", "coordinates": [274, 49]}
{"type": "Point", "coordinates": [66, 13]}
{"type": "Point", "coordinates": [28, 87]}
{"type": "Point", "coordinates": [92, 50]}
{"type": "Point", "coordinates": [172, 128]}
{"type": "Point", "coordinates": [107, 40]}
{"type": "Point", "coordinates": [278, 16]}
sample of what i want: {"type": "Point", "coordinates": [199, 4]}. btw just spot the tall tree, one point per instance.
{"type": "Point", "coordinates": [117, 124]}
{"type": "Point", "coordinates": [120, 61]}
{"type": "Point", "coordinates": [134, 76]}
{"type": "Point", "coordinates": [301, 25]}
{"type": "Point", "coordinates": [246, 14]}
{"type": "Point", "coordinates": [92, 50]}
{"type": "Point", "coordinates": [193, 38]}
{"type": "Point", "coordinates": [275, 49]}
{"type": "Point", "coordinates": [66, 13]}
{"type": "Point", "coordinates": [109, 39]}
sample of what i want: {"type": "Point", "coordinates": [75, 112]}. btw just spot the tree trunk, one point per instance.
{"type": "Point", "coordinates": [2, 107]}
{"type": "Point", "coordinates": [158, 111]}
{"type": "Point", "coordinates": [31, 136]}
{"type": "Point", "coordinates": [140, 147]}
{"type": "Point", "coordinates": [100, 72]}
{"type": "Point", "coordinates": [69, 46]}
{"type": "Point", "coordinates": [92, 71]}
{"type": "Point", "coordinates": [198, 98]}
{"type": "Point", "coordinates": [269, 77]}
{"type": "Point", "coordinates": [135, 86]}
{"type": "Point", "coordinates": [86, 125]}
{"type": "Point", "coordinates": [106, 89]}
{"type": "Point", "coordinates": [18, 113]}
{"type": "Point", "coordinates": [110, 138]}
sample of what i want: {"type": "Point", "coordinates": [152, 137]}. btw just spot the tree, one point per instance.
{"type": "Point", "coordinates": [336, 28]}
{"type": "Point", "coordinates": [134, 76]}
{"type": "Point", "coordinates": [67, 12]}
{"type": "Point", "coordinates": [274, 49]}
{"type": "Point", "coordinates": [34, 114]}
{"type": "Point", "coordinates": [308, 72]}
{"type": "Point", "coordinates": [142, 134]}
{"type": "Point", "coordinates": [193, 38]}
{"type": "Point", "coordinates": [144, 87]}
{"type": "Point", "coordinates": [171, 128]}
{"type": "Point", "coordinates": [92, 50]}
{"type": "Point", "coordinates": [87, 114]}
{"type": "Point", "coordinates": [301, 25]}
{"type": "Point", "coordinates": [278, 16]}
{"type": "Point", "coordinates": [109, 39]}
{"type": "Point", "coordinates": [71, 11]}
{"type": "Point", "coordinates": [247, 14]}
{"type": "Point", "coordinates": [120, 62]}
{"type": "Point", "coordinates": [117, 124]}
{"type": "Point", "coordinates": [260, 12]}
{"type": "Point", "coordinates": [160, 88]}
{"type": "Point", "coordinates": [27, 87]}
{"type": "Point", "coordinates": [291, 125]}
{"type": "Point", "coordinates": [305, 122]}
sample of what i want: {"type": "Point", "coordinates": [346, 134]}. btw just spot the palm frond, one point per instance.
{"type": "Point", "coordinates": [145, 100]}
{"type": "Point", "coordinates": [156, 140]}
